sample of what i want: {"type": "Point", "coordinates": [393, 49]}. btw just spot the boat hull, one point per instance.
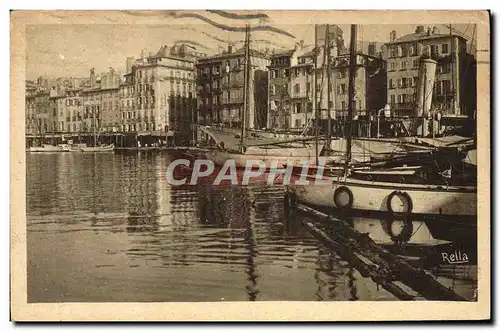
{"type": "Point", "coordinates": [99, 149]}
{"type": "Point", "coordinates": [279, 161]}
{"type": "Point", "coordinates": [372, 198]}
{"type": "Point", "coordinates": [49, 149]}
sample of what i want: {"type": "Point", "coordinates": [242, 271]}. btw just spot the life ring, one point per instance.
{"type": "Point", "coordinates": [290, 203]}
{"type": "Point", "coordinates": [405, 198]}
{"type": "Point", "coordinates": [337, 195]}
{"type": "Point", "coordinates": [406, 232]}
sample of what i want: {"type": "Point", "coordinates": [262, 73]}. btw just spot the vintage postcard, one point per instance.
{"type": "Point", "coordinates": [220, 165]}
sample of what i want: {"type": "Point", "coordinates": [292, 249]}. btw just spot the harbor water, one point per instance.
{"type": "Point", "coordinates": [108, 228]}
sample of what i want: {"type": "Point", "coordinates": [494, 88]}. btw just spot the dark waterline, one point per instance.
{"type": "Point", "coordinates": [108, 228]}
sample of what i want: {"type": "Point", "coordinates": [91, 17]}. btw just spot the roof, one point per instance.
{"type": "Point", "coordinates": [422, 36]}
{"type": "Point", "coordinates": [283, 53]}
{"type": "Point", "coordinates": [239, 52]}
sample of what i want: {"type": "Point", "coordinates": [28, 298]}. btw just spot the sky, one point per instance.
{"type": "Point", "coordinates": [62, 50]}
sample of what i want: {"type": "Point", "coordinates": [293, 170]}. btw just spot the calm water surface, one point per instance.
{"type": "Point", "coordinates": [108, 228]}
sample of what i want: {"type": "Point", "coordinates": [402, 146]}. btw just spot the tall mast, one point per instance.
{"type": "Point", "coordinates": [245, 88]}
{"type": "Point", "coordinates": [94, 123]}
{"type": "Point", "coordinates": [328, 84]}
{"type": "Point", "coordinates": [352, 102]}
{"type": "Point", "coordinates": [314, 97]}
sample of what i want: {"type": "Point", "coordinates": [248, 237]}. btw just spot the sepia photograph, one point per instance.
{"type": "Point", "coordinates": [218, 156]}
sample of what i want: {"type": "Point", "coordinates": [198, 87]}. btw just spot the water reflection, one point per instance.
{"type": "Point", "coordinates": [115, 231]}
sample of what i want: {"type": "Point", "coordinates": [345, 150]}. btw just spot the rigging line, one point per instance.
{"type": "Point", "coordinates": [458, 32]}
{"type": "Point", "coordinates": [415, 232]}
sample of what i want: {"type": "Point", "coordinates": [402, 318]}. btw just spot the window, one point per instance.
{"type": "Point", "coordinates": [298, 123]}
{"type": "Point", "coordinates": [273, 89]}
{"type": "Point", "coordinates": [403, 82]}
{"type": "Point", "coordinates": [394, 51]}
{"type": "Point", "coordinates": [446, 87]}
{"type": "Point", "coordinates": [413, 50]}
{"type": "Point", "coordinates": [415, 64]}
{"type": "Point", "coordinates": [296, 89]}
{"type": "Point", "coordinates": [394, 66]}
{"type": "Point", "coordinates": [444, 48]}
{"type": "Point", "coordinates": [444, 68]}
{"type": "Point", "coordinates": [404, 51]}
{"type": "Point", "coordinates": [371, 49]}
{"type": "Point", "coordinates": [400, 98]}
{"type": "Point", "coordinates": [391, 83]}
{"type": "Point", "coordinates": [393, 99]}
{"type": "Point", "coordinates": [434, 50]}
{"type": "Point", "coordinates": [403, 65]}
{"type": "Point", "coordinates": [343, 105]}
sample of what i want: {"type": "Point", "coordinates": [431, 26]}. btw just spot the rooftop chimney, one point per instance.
{"type": "Point", "coordinates": [229, 49]}
{"type": "Point", "coordinates": [392, 36]}
{"type": "Point", "coordinates": [428, 31]}
{"type": "Point", "coordinates": [435, 30]}
{"type": "Point", "coordinates": [420, 29]}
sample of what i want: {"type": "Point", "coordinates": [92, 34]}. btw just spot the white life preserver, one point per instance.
{"type": "Point", "coordinates": [344, 205]}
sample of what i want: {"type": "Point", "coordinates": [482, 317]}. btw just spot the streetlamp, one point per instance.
{"type": "Point", "coordinates": [387, 113]}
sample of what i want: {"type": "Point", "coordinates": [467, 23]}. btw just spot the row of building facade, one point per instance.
{"type": "Point", "coordinates": [177, 86]}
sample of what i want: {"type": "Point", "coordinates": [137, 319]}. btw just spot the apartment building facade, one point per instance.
{"type": "Point", "coordinates": [158, 94]}
{"type": "Point", "coordinates": [220, 89]}
{"type": "Point", "coordinates": [74, 110]}
{"type": "Point", "coordinates": [370, 87]}
{"type": "Point", "coordinates": [404, 55]}
{"type": "Point", "coordinates": [279, 90]}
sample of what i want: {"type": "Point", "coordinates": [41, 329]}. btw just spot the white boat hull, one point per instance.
{"type": "Point", "coordinates": [97, 149]}
{"type": "Point", "coordinates": [373, 197]}
{"type": "Point", "coordinates": [49, 149]}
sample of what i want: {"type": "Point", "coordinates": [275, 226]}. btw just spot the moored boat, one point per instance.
{"type": "Point", "coordinates": [95, 149]}
{"type": "Point", "coordinates": [389, 199]}
{"type": "Point", "coordinates": [49, 148]}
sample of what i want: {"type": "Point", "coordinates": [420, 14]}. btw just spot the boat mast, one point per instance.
{"type": "Point", "coordinates": [328, 84]}
{"type": "Point", "coordinates": [245, 88]}
{"type": "Point", "coordinates": [352, 102]}
{"type": "Point", "coordinates": [314, 97]}
{"type": "Point", "coordinates": [94, 124]}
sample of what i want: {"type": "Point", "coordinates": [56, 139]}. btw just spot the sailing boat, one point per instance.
{"type": "Point", "coordinates": [273, 153]}
{"type": "Point", "coordinates": [96, 147]}
{"type": "Point", "coordinates": [389, 194]}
